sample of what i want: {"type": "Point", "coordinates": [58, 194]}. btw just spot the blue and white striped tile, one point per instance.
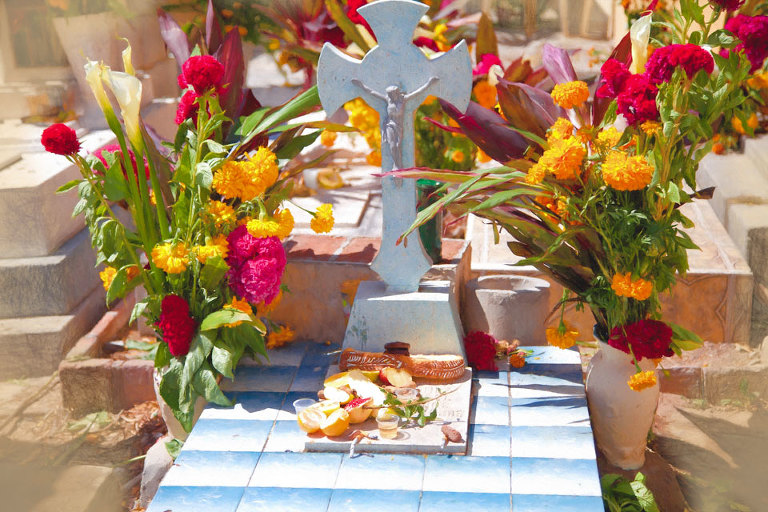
{"type": "Point", "coordinates": [219, 435]}
{"type": "Point", "coordinates": [382, 471]}
{"type": "Point", "coordinates": [548, 380]}
{"type": "Point", "coordinates": [489, 440]}
{"type": "Point", "coordinates": [490, 410]}
{"type": "Point", "coordinates": [448, 473]}
{"type": "Point", "coordinates": [300, 470]}
{"type": "Point", "coordinates": [552, 503]}
{"type": "Point", "coordinates": [196, 499]}
{"type": "Point", "coordinates": [553, 411]}
{"type": "Point", "coordinates": [320, 354]}
{"type": "Point", "coordinates": [570, 477]}
{"type": "Point", "coordinates": [464, 502]}
{"type": "Point", "coordinates": [272, 499]}
{"type": "Point", "coordinates": [224, 469]}
{"type": "Point", "coordinates": [263, 378]}
{"type": "Point", "coordinates": [373, 500]}
{"type": "Point", "coordinates": [286, 436]}
{"type": "Point", "coordinates": [256, 405]}
{"type": "Point", "coordinates": [309, 378]}
{"type": "Point", "coordinates": [552, 355]}
{"type": "Point", "coordinates": [553, 442]}
{"type": "Point", "coordinates": [485, 383]}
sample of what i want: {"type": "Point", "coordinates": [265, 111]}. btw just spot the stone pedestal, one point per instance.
{"type": "Point", "coordinates": [427, 319]}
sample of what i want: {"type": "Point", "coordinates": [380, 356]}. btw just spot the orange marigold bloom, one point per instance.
{"type": "Point", "coordinates": [651, 127]}
{"type": "Point", "coordinates": [517, 359]}
{"type": "Point", "coordinates": [563, 336]}
{"type": "Point", "coordinates": [222, 213]}
{"type": "Point", "coordinates": [327, 138]}
{"type": "Point", "coordinates": [485, 94]}
{"type": "Point", "coordinates": [608, 138]}
{"type": "Point", "coordinates": [624, 172]}
{"type": "Point", "coordinates": [218, 246]}
{"type": "Point", "coordinates": [482, 156]}
{"type": "Point", "coordinates": [624, 286]}
{"type": "Point", "coordinates": [570, 94]}
{"type": "Point", "coordinates": [239, 305]}
{"type": "Point", "coordinates": [373, 158]}
{"type": "Point", "coordinates": [322, 221]}
{"type": "Point", "coordinates": [279, 338]}
{"type": "Point", "coordinates": [457, 156]}
{"type": "Point", "coordinates": [280, 225]}
{"type": "Point", "coordinates": [563, 158]}
{"type": "Point", "coordinates": [642, 380]}
{"type": "Point", "coordinates": [562, 129]}
{"type": "Point", "coordinates": [173, 259]}
{"type": "Point", "coordinates": [107, 276]}
{"type": "Point", "coordinates": [535, 174]}
{"type": "Point", "coordinates": [263, 309]}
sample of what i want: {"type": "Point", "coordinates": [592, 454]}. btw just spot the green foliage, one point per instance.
{"type": "Point", "coordinates": [621, 495]}
{"type": "Point", "coordinates": [411, 409]}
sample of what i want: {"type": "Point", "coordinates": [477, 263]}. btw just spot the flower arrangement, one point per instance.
{"type": "Point", "coordinates": [207, 216]}
{"type": "Point", "coordinates": [593, 182]}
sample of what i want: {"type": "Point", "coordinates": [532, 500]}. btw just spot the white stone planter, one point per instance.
{"type": "Point", "coordinates": [175, 429]}
{"type": "Point", "coordinates": [508, 307]}
{"type": "Point", "coordinates": [621, 417]}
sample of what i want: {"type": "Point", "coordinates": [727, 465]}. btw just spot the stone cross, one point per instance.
{"type": "Point", "coordinates": [394, 78]}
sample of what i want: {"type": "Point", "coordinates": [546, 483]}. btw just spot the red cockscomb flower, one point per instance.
{"type": "Point", "coordinates": [728, 5]}
{"type": "Point", "coordinates": [187, 108]}
{"type": "Point", "coordinates": [256, 267]}
{"type": "Point", "coordinates": [60, 139]}
{"type": "Point", "coordinates": [753, 33]}
{"type": "Point", "coordinates": [690, 57]}
{"type": "Point", "coordinates": [481, 350]}
{"type": "Point", "coordinates": [176, 324]}
{"type": "Point", "coordinates": [637, 101]}
{"type": "Point", "coordinates": [484, 66]}
{"type": "Point", "coordinates": [115, 148]}
{"type": "Point", "coordinates": [425, 42]}
{"type": "Point", "coordinates": [202, 72]}
{"type": "Point", "coordinates": [648, 338]}
{"type": "Point", "coordinates": [614, 75]}
{"type": "Point", "coordinates": [354, 16]}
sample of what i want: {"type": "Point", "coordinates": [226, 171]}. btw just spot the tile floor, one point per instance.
{"type": "Point", "coordinates": [531, 449]}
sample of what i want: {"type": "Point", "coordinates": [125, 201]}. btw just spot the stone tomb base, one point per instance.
{"type": "Point", "coordinates": [452, 409]}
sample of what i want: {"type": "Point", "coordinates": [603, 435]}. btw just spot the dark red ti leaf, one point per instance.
{"type": "Point", "coordinates": [623, 54]}
{"type": "Point", "coordinates": [528, 108]}
{"type": "Point", "coordinates": [558, 64]}
{"type": "Point", "coordinates": [231, 55]}
{"type": "Point", "coordinates": [489, 131]}
{"type": "Point", "coordinates": [175, 39]}
{"type": "Point", "coordinates": [212, 29]}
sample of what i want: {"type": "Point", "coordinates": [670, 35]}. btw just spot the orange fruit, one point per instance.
{"type": "Point", "coordinates": [326, 406]}
{"type": "Point", "coordinates": [310, 420]}
{"type": "Point", "coordinates": [336, 424]}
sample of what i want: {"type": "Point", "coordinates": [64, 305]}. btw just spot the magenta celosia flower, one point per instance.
{"type": "Point", "coordinates": [257, 280]}
{"type": "Point", "coordinates": [481, 350]}
{"type": "Point", "coordinates": [690, 57]}
{"type": "Point", "coordinates": [115, 148]}
{"type": "Point", "coordinates": [187, 107]}
{"type": "Point", "coordinates": [753, 33]}
{"type": "Point", "coordinates": [637, 100]}
{"type": "Point", "coordinates": [728, 5]}
{"type": "Point", "coordinates": [614, 75]}
{"type": "Point", "coordinates": [426, 42]}
{"type": "Point", "coordinates": [484, 66]}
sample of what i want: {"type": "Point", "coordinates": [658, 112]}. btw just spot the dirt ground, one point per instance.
{"type": "Point", "coordinates": [50, 461]}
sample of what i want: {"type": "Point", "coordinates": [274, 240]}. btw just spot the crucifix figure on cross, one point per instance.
{"type": "Point", "coordinates": [394, 78]}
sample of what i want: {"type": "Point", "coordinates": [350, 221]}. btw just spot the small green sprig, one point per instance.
{"type": "Point", "coordinates": [414, 409]}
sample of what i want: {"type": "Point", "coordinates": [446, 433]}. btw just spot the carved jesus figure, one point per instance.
{"type": "Point", "coordinates": [395, 99]}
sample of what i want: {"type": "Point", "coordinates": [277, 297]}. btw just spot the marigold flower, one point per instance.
{"type": "Point", "coordinates": [517, 359]}
{"type": "Point", "coordinates": [218, 246]}
{"type": "Point", "coordinates": [651, 127]}
{"type": "Point", "coordinates": [171, 258]}
{"type": "Point", "coordinates": [322, 222]}
{"type": "Point", "coordinates": [624, 286]}
{"type": "Point", "coordinates": [263, 308]}
{"type": "Point", "coordinates": [60, 139]}
{"type": "Point", "coordinates": [457, 156]}
{"type": "Point", "coordinates": [642, 380]}
{"type": "Point", "coordinates": [373, 158]}
{"type": "Point", "coordinates": [247, 179]}
{"type": "Point", "coordinates": [132, 272]}
{"type": "Point", "coordinates": [562, 129]}
{"type": "Point", "coordinates": [238, 305]}
{"type": "Point", "coordinates": [222, 213]}
{"type": "Point", "coordinates": [608, 138]}
{"type": "Point", "coordinates": [563, 158]}
{"type": "Point", "coordinates": [482, 156]}
{"type": "Point", "coordinates": [623, 172]}
{"type": "Point", "coordinates": [227, 181]}
{"type": "Point", "coordinates": [570, 94]}
{"type": "Point", "coordinates": [535, 174]}
{"type": "Point", "coordinates": [752, 122]}
{"type": "Point", "coordinates": [327, 138]}
{"type": "Point", "coordinates": [562, 336]}
{"type": "Point", "coordinates": [485, 94]}
{"type": "Point", "coordinates": [279, 338]}
{"type": "Point", "coordinates": [107, 276]}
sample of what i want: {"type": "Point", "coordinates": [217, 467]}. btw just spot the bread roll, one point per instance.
{"type": "Point", "coordinates": [437, 367]}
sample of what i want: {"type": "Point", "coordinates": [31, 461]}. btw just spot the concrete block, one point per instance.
{"type": "Point", "coordinates": [33, 346]}
{"type": "Point", "coordinates": [757, 249]}
{"type": "Point", "coordinates": [86, 386]}
{"type": "Point", "coordinates": [36, 220]}
{"type": "Point", "coordinates": [735, 383]}
{"type": "Point", "coordinates": [508, 307]}
{"type": "Point", "coordinates": [736, 180]}
{"type": "Point", "coordinates": [156, 465]}
{"type": "Point", "coordinates": [427, 319]}
{"type": "Point", "coordinates": [160, 115]}
{"type": "Point", "coordinates": [757, 150]}
{"type": "Point", "coordinates": [49, 285]}
{"type": "Point", "coordinates": [164, 83]}
{"type": "Point", "coordinates": [743, 219]}
{"type": "Point", "coordinates": [685, 381]}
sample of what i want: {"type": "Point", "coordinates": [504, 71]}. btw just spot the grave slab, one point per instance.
{"type": "Point", "coordinates": [453, 410]}
{"type": "Point", "coordinates": [49, 285]}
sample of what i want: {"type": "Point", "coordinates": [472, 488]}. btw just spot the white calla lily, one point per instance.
{"type": "Point", "coordinates": [93, 75]}
{"type": "Point", "coordinates": [640, 35]}
{"type": "Point", "coordinates": [127, 91]}
{"type": "Point", "coordinates": [127, 63]}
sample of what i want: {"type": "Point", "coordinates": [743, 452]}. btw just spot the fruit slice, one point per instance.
{"type": "Point", "coordinates": [310, 420]}
{"type": "Point", "coordinates": [337, 395]}
{"type": "Point", "coordinates": [342, 379]}
{"type": "Point", "coordinates": [364, 388]}
{"type": "Point", "coordinates": [357, 411]}
{"type": "Point", "coordinates": [330, 179]}
{"type": "Point", "coordinates": [336, 424]}
{"type": "Point", "coordinates": [326, 406]}
{"type": "Point", "coordinates": [398, 377]}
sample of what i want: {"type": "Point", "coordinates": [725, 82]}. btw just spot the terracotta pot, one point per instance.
{"type": "Point", "coordinates": [621, 417]}
{"type": "Point", "coordinates": [174, 427]}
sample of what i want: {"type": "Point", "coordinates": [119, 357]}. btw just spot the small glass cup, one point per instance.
{"type": "Point", "coordinates": [388, 424]}
{"type": "Point", "coordinates": [302, 403]}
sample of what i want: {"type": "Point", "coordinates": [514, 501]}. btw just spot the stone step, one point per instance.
{"type": "Point", "coordinates": [49, 285]}
{"type": "Point", "coordinates": [757, 149]}
{"type": "Point", "coordinates": [736, 180]}
{"type": "Point", "coordinates": [36, 220]}
{"type": "Point", "coordinates": [34, 346]}
{"type": "Point", "coordinates": [714, 299]}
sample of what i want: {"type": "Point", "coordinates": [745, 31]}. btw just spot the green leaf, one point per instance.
{"type": "Point", "coordinates": [297, 144]}
{"type": "Point", "coordinates": [115, 186]}
{"type": "Point", "coordinates": [139, 345]}
{"type": "Point", "coordinates": [181, 136]}
{"type": "Point", "coordinates": [163, 355]}
{"type": "Point", "coordinates": [204, 175]}
{"type": "Point", "coordinates": [644, 496]}
{"type": "Point", "coordinates": [170, 384]}
{"type": "Point", "coordinates": [138, 310]}
{"type": "Point", "coordinates": [174, 447]}
{"type": "Point", "coordinates": [222, 318]}
{"type": "Point", "coordinates": [224, 361]}
{"type": "Point", "coordinates": [213, 272]}
{"type": "Point", "coordinates": [252, 338]}
{"type": "Point", "coordinates": [205, 384]}
{"type": "Point", "coordinates": [201, 347]}
{"type": "Point", "coordinates": [252, 121]}
{"type": "Point", "coordinates": [67, 186]}
{"type": "Point", "coordinates": [119, 286]}
{"type": "Point", "coordinates": [722, 38]}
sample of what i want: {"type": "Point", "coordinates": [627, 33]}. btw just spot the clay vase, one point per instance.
{"type": "Point", "coordinates": [174, 427]}
{"type": "Point", "coordinates": [621, 417]}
